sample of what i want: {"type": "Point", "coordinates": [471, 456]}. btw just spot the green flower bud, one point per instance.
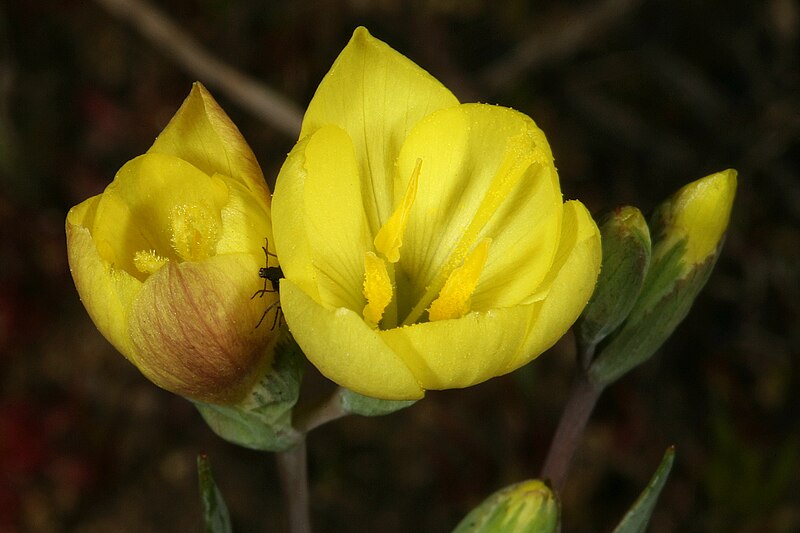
{"type": "Point", "coordinates": [626, 257]}
{"type": "Point", "coordinates": [688, 232]}
{"type": "Point", "coordinates": [527, 507]}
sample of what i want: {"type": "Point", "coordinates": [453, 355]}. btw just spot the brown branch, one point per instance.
{"type": "Point", "coordinates": [573, 33]}
{"type": "Point", "coordinates": [158, 29]}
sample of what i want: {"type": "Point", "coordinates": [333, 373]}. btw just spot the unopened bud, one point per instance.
{"type": "Point", "coordinates": [527, 507]}
{"type": "Point", "coordinates": [626, 257]}
{"type": "Point", "coordinates": [688, 231]}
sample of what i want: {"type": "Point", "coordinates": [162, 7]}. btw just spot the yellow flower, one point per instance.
{"type": "Point", "coordinates": [425, 243]}
{"type": "Point", "coordinates": [167, 258]}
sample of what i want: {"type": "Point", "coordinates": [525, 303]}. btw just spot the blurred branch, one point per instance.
{"type": "Point", "coordinates": [165, 34]}
{"type": "Point", "coordinates": [7, 77]}
{"type": "Point", "coordinates": [570, 35]}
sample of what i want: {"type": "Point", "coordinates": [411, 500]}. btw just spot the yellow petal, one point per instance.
{"type": "Point", "coordinates": [334, 218]}
{"type": "Point", "coordinates": [569, 284]}
{"type": "Point", "coordinates": [458, 353]}
{"type": "Point", "coordinates": [345, 349]}
{"type": "Point", "coordinates": [290, 234]}
{"type": "Point", "coordinates": [487, 171]}
{"type": "Point", "coordinates": [700, 212]}
{"type": "Point", "coordinates": [203, 135]}
{"type": "Point", "coordinates": [246, 221]}
{"type": "Point", "coordinates": [454, 300]}
{"type": "Point", "coordinates": [193, 326]}
{"type": "Point", "coordinates": [105, 291]}
{"type": "Point", "coordinates": [377, 96]}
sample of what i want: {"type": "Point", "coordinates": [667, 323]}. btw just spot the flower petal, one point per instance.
{"type": "Point", "coordinates": [320, 192]}
{"type": "Point", "coordinates": [203, 135]}
{"type": "Point", "coordinates": [569, 284]}
{"type": "Point", "coordinates": [458, 353]}
{"type": "Point", "coordinates": [289, 212]}
{"type": "Point", "coordinates": [487, 171]}
{"type": "Point", "coordinates": [699, 212]}
{"type": "Point", "coordinates": [106, 291]}
{"type": "Point", "coordinates": [377, 96]}
{"type": "Point", "coordinates": [193, 325]}
{"type": "Point", "coordinates": [345, 349]}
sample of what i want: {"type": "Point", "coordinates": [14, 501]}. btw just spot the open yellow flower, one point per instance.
{"type": "Point", "coordinates": [167, 258]}
{"type": "Point", "coordinates": [425, 243]}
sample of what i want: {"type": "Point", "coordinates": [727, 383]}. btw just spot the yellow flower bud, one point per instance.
{"type": "Point", "coordinates": [527, 507]}
{"type": "Point", "coordinates": [167, 258]}
{"type": "Point", "coordinates": [697, 213]}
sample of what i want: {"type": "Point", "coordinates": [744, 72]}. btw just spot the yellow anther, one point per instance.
{"type": "Point", "coordinates": [454, 298]}
{"type": "Point", "coordinates": [390, 237]}
{"type": "Point", "coordinates": [377, 288]}
{"type": "Point", "coordinates": [148, 261]}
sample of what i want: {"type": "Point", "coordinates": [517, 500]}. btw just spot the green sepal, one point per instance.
{"type": "Point", "coordinates": [526, 507]}
{"type": "Point", "coordinates": [358, 404]}
{"type": "Point", "coordinates": [626, 258]}
{"type": "Point", "coordinates": [216, 518]}
{"type": "Point", "coordinates": [637, 517]}
{"type": "Point", "coordinates": [665, 299]}
{"type": "Point", "coordinates": [263, 419]}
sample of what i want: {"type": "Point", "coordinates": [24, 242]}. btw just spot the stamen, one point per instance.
{"type": "Point", "coordinates": [148, 261]}
{"type": "Point", "coordinates": [377, 288]}
{"type": "Point", "coordinates": [194, 232]}
{"type": "Point", "coordinates": [454, 298]}
{"type": "Point", "coordinates": [390, 237]}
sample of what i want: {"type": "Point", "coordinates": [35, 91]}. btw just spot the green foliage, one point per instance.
{"type": "Point", "coordinates": [263, 420]}
{"type": "Point", "coordinates": [216, 518]}
{"type": "Point", "coordinates": [745, 481]}
{"type": "Point", "coordinates": [358, 404]}
{"type": "Point", "coordinates": [638, 516]}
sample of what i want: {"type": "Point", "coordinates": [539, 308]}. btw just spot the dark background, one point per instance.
{"type": "Point", "coordinates": [637, 98]}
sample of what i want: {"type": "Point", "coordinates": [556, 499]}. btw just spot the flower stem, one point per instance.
{"type": "Point", "coordinates": [327, 411]}
{"type": "Point", "coordinates": [580, 405]}
{"type": "Point", "coordinates": [292, 468]}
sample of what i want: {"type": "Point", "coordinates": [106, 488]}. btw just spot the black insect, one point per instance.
{"type": "Point", "coordinates": [273, 275]}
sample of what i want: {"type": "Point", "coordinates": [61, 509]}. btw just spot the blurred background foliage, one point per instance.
{"type": "Point", "coordinates": [637, 98]}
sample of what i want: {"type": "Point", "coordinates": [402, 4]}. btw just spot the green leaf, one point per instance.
{"type": "Point", "coordinates": [526, 507]}
{"type": "Point", "coordinates": [263, 420]}
{"type": "Point", "coordinates": [638, 516]}
{"type": "Point", "coordinates": [358, 404]}
{"type": "Point", "coordinates": [216, 518]}
{"type": "Point", "coordinates": [626, 258]}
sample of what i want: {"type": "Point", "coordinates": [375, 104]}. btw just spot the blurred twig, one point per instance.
{"type": "Point", "coordinates": [157, 28]}
{"type": "Point", "coordinates": [573, 33]}
{"type": "Point", "coordinates": [7, 137]}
